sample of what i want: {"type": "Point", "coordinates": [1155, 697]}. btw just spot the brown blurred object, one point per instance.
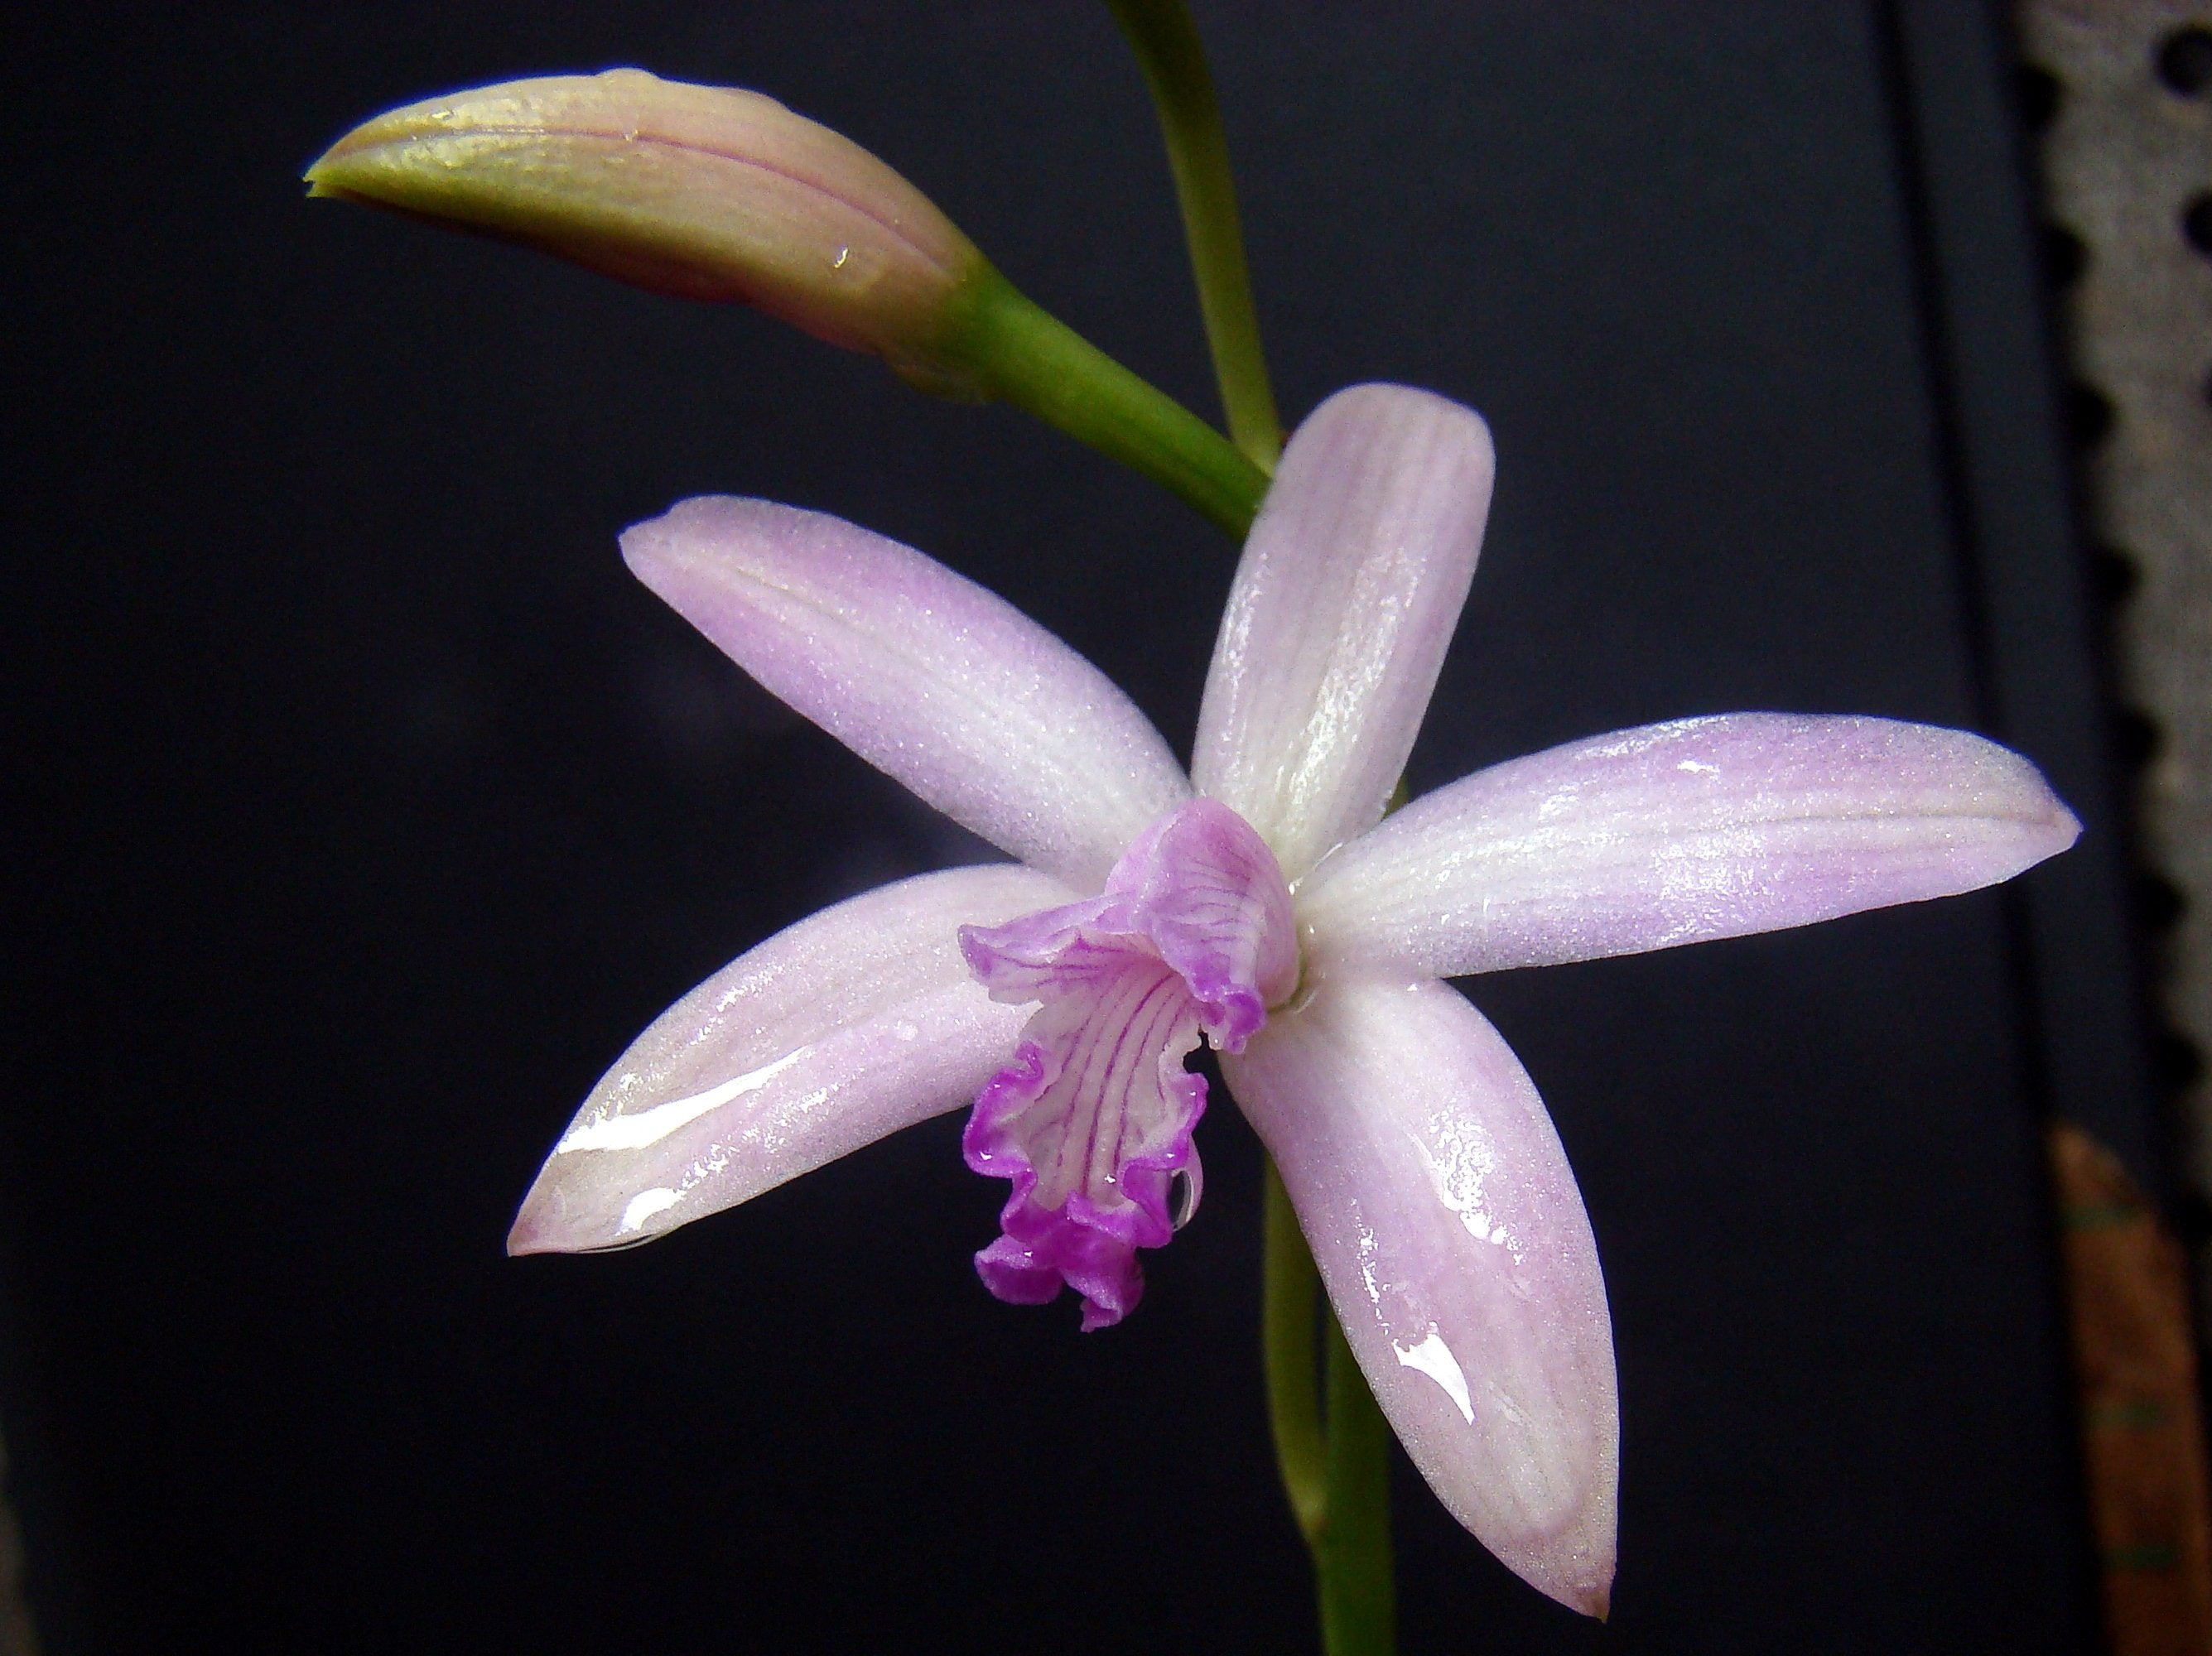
{"type": "Point", "coordinates": [16, 1636]}
{"type": "Point", "coordinates": [2125, 145]}
{"type": "Point", "coordinates": [2143, 1435]}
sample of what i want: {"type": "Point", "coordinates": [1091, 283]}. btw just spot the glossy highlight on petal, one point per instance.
{"type": "Point", "coordinates": [1674, 833]}
{"type": "Point", "coordinates": [922, 673]}
{"type": "Point", "coordinates": [1449, 1231]}
{"type": "Point", "coordinates": [1093, 1118]}
{"type": "Point", "coordinates": [855, 1022]}
{"type": "Point", "coordinates": [1343, 607]}
{"type": "Point", "coordinates": [707, 193]}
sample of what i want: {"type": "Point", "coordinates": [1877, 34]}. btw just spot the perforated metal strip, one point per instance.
{"type": "Point", "coordinates": [2127, 160]}
{"type": "Point", "coordinates": [2127, 154]}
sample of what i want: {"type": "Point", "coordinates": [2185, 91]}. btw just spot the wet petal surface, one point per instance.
{"type": "Point", "coordinates": [922, 673]}
{"type": "Point", "coordinates": [837, 1031]}
{"type": "Point", "coordinates": [1449, 1231]}
{"type": "Point", "coordinates": [1674, 833]}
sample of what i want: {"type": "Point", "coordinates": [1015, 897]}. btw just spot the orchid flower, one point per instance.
{"type": "Point", "coordinates": [1265, 903]}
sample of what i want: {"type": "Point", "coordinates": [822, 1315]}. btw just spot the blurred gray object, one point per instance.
{"type": "Point", "coordinates": [2127, 156]}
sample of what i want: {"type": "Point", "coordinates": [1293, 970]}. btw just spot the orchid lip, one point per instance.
{"type": "Point", "coordinates": [1092, 1121]}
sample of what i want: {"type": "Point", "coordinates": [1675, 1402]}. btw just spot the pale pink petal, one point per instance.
{"type": "Point", "coordinates": [1703, 828]}
{"type": "Point", "coordinates": [1343, 607]}
{"type": "Point", "coordinates": [1440, 1209]}
{"type": "Point", "coordinates": [855, 1022]}
{"type": "Point", "coordinates": [923, 674]}
{"type": "Point", "coordinates": [1449, 1231]}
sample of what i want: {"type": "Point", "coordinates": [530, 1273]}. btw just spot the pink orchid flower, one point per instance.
{"type": "Point", "coordinates": [1265, 903]}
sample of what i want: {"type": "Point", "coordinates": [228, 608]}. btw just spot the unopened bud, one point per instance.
{"type": "Point", "coordinates": [703, 191]}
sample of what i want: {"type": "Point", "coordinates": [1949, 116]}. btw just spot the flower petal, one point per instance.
{"type": "Point", "coordinates": [1440, 1209]}
{"type": "Point", "coordinates": [1343, 607]}
{"type": "Point", "coordinates": [855, 1022]}
{"type": "Point", "coordinates": [922, 673]}
{"type": "Point", "coordinates": [1665, 835]}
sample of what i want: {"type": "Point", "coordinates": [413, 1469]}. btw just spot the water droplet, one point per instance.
{"type": "Point", "coordinates": [838, 263]}
{"type": "Point", "coordinates": [1182, 1199]}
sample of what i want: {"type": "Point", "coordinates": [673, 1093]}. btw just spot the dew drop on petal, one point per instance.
{"type": "Point", "coordinates": [1182, 1197]}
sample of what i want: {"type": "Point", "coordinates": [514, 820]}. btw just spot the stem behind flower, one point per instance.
{"type": "Point", "coordinates": [1337, 1476]}
{"type": "Point", "coordinates": [1166, 43]}
{"type": "Point", "coordinates": [1351, 1557]}
{"type": "Point", "coordinates": [1030, 359]}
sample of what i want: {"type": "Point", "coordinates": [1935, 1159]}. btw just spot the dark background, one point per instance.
{"type": "Point", "coordinates": [372, 809]}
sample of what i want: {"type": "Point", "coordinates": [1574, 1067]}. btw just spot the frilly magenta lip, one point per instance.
{"type": "Point", "coordinates": [1427, 1177]}
{"type": "Point", "coordinates": [1092, 1120]}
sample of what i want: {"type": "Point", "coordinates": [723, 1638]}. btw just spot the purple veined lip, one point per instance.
{"type": "Point", "coordinates": [1092, 1121]}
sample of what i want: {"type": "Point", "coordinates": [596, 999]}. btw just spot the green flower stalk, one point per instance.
{"type": "Point", "coordinates": [717, 194]}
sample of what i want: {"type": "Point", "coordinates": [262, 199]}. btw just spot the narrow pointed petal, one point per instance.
{"type": "Point", "coordinates": [844, 1028]}
{"type": "Point", "coordinates": [1440, 1209]}
{"type": "Point", "coordinates": [1670, 834]}
{"type": "Point", "coordinates": [1343, 607]}
{"type": "Point", "coordinates": [922, 673]}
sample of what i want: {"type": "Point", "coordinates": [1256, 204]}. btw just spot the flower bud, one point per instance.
{"type": "Point", "coordinates": [707, 192]}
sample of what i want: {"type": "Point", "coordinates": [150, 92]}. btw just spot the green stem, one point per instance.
{"type": "Point", "coordinates": [1168, 50]}
{"type": "Point", "coordinates": [1336, 1473]}
{"type": "Point", "coordinates": [1030, 359]}
{"type": "Point", "coordinates": [1352, 1559]}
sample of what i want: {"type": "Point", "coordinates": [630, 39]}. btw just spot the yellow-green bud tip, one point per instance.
{"type": "Point", "coordinates": [707, 193]}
